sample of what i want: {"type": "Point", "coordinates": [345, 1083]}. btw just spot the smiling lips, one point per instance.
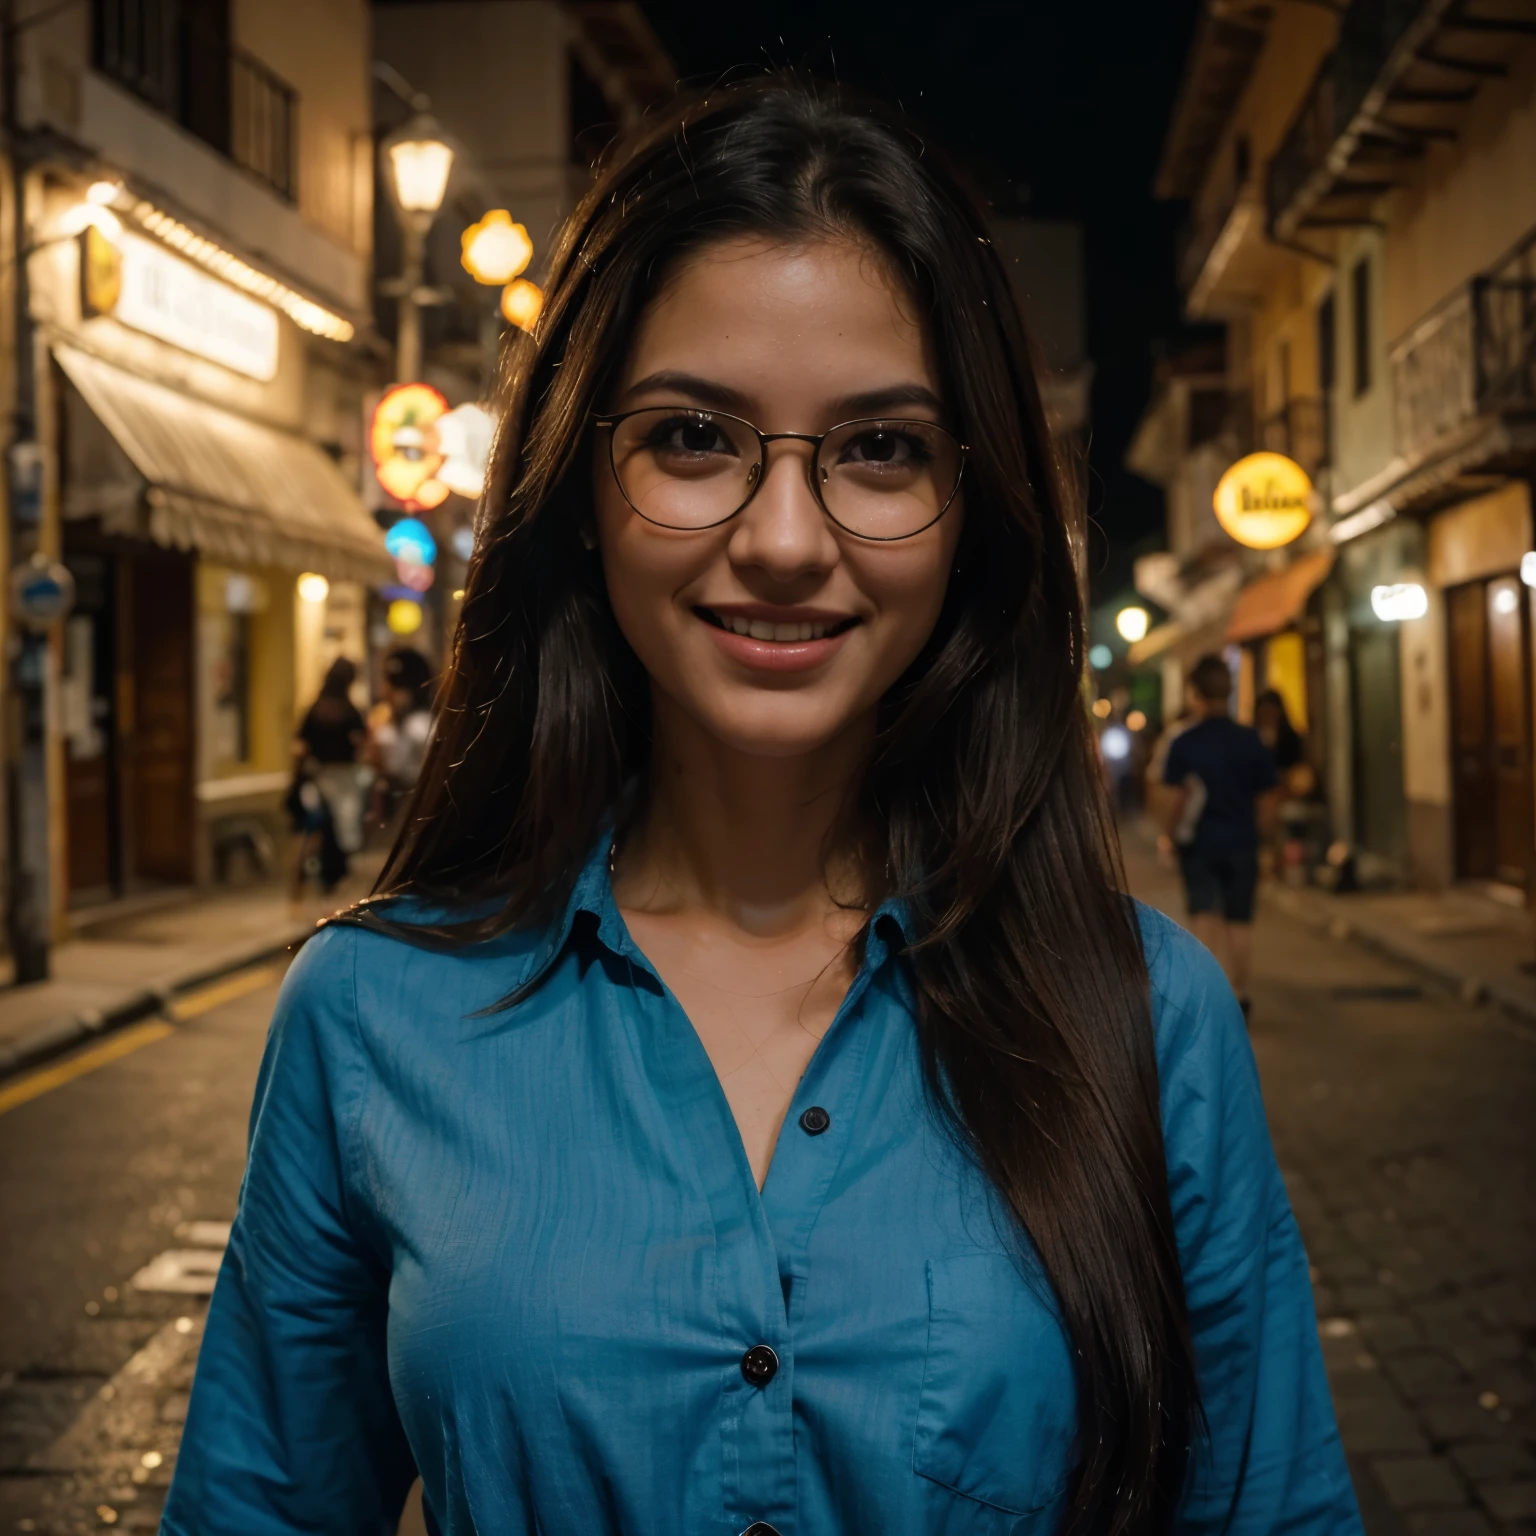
{"type": "Point", "coordinates": [791, 643]}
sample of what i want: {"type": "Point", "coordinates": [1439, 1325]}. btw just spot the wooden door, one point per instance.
{"type": "Point", "coordinates": [1381, 807]}
{"type": "Point", "coordinates": [1474, 817]}
{"type": "Point", "coordinates": [1509, 731]}
{"type": "Point", "coordinates": [161, 794]}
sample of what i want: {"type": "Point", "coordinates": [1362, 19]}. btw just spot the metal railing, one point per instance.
{"type": "Point", "coordinates": [214, 89]}
{"type": "Point", "coordinates": [1299, 429]}
{"type": "Point", "coordinates": [1369, 31]}
{"type": "Point", "coordinates": [1306, 143]}
{"type": "Point", "coordinates": [1473, 354]}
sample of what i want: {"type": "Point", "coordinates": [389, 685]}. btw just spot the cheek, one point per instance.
{"type": "Point", "coordinates": [909, 582]}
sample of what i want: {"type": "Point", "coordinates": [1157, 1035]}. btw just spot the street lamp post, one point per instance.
{"type": "Point", "coordinates": [419, 160]}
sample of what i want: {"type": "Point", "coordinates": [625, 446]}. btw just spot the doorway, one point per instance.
{"type": "Point", "coordinates": [159, 730]}
{"type": "Point", "coordinates": [1381, 806]}
{"type": "Point", "coordinates": [1490, 669]}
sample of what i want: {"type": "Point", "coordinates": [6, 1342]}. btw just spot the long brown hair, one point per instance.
{"type": "Point", "coordinates": [1034, 1013]}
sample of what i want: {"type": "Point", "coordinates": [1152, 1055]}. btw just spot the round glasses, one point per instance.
{"type": "Point", "coordinates": [680, 467]}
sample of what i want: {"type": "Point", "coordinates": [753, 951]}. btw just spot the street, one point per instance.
{"type": "Point", "coordinates": [1401, 1116]}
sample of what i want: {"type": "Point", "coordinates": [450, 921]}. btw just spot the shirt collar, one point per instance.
{"type": "Point", "coordinates": [890, 925]}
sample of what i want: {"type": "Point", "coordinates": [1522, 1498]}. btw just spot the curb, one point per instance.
{"type": "Point", "coordinates": [1344, 925]}
{"type": "Point", "coordinates": [71, 1029]}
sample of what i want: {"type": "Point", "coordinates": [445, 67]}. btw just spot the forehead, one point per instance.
{"type": "Point", "coordinates": [779, 319]}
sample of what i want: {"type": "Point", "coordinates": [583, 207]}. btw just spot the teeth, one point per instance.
{"type": "Point", "coordinates": [762, 629]}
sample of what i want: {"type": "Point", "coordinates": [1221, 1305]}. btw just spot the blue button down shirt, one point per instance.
{"type": "Point", "coordinates": [524, 1253]}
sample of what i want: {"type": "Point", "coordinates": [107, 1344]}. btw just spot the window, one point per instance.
{"type": "Point", "coordinates": [1327, 344]}
{"type": "Point", "coordinates": [1360, 318]}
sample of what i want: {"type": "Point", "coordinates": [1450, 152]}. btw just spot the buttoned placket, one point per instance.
{"type": "Point", "coordinates": [760, 1238]}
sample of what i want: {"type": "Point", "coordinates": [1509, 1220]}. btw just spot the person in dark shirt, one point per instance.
{"type": "Point", "coordinates": [326, 797]}
{"type": "Point", "coordinates": [1223, 780]}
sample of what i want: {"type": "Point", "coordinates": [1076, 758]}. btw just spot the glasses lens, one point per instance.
{"type": "Point", "coordinates": [888, 479]}
{"type": "Point", "coordinates": [685, 469]}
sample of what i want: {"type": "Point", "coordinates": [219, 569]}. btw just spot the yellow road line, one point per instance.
{"type": "Point", "coordinates": [45, 1079]}
{"type": "Point", "coordinates": [211, 996]}
{"type": "Point", "coordinates": [122, 1042]}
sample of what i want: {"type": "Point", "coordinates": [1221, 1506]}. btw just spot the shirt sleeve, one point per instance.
{"type": "Point", "coordinates": [1269, 1458]}
{"type": "Point", "coordinates": [1175, 767]}
{"type": "Point", "coordinates": [292, 1425]}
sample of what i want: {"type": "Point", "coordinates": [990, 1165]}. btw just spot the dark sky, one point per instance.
{"type": "Point", "coordinates": [1059, 106]}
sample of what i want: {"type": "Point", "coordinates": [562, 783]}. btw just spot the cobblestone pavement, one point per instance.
{"type": "Point", "coordinates": [1402, 1118]}
{"type": "Point", "coordinates": [1403, 1121]}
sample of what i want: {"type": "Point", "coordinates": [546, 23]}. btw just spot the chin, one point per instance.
{"type": "Point", "coordinates": [775, 726]}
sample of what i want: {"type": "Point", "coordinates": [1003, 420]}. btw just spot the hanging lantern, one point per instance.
{"type": "Point", "coordinates": [495, 250]}
{"type": "Point", "coordinates": [521, 303]}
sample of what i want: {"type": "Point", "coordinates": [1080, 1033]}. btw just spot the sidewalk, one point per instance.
{"type": "Point", "coordinates": [1465, 941]}
{"type": "Point", "coordinates": [123, 968]}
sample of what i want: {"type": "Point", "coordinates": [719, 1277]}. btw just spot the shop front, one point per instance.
{"type": "Point", "coordinates": [218, 551]}
{"type": "Point", "coordinates": [1376, 597]}
{"type": "Point", "coordinates": [1475, 550]}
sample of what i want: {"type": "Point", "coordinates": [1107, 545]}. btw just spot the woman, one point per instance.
{"type": "Point", "coordinates": [1273, 724]}
{"type": "Point", "coordinates": [755, 1108]}
{"type": "Point", "coordinates": [325, 800]}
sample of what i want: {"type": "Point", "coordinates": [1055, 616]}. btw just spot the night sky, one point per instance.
{"type": "Point", "coordinates": [1059, 108]}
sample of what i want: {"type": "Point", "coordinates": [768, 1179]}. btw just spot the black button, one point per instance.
{"type": "Point", "coordinates": [815, 1120]}
{"type": "Point", "coordinates": [759, 1365]}
{"type": "Point", "coordinates": [761, 1528]}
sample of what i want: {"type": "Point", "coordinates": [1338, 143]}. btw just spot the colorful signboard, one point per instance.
{"type": "Point", "coordinates": [142, 285]}
{"type": "Point", "coordinates": [1264, 500]}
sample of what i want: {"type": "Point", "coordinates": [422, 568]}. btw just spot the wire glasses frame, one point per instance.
{"type": "Point", "coordinates": [818, 475]}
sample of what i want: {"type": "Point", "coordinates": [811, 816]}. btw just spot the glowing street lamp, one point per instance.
{"type": "Point", "coordinates": [420, 160]}
{"type": "Point", "coordinates": [1132, 624]}
{"type": "Point", "coordinates": [495, 250]}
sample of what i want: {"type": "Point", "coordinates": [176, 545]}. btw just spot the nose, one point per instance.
{"type": "Point", "coordinates": [782, 531]}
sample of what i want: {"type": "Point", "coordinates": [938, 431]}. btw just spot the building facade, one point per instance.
{"type": "Point", "coordinates": [527, 93]}
{"type": "Point", "coordinates": [1363, 220]}
{"type": "Point", "coordinates": [191, 188]}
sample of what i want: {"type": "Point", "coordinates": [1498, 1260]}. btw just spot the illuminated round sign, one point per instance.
{"type": "Point", "coordinates": [403, 616]}
{"type": "Point", "coordinates": [1264, 500]}
{"type": "Point", "coordinates": [404, 446]}
{"type": "Point", "coordinates": [411, 539]}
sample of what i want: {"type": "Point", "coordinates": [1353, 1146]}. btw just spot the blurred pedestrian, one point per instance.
{"type": "Point", "coordinates": [1158, 793]}
{"type": "Point", "coordinates": [1273, 724]}
{"type": "Point", "coordinates": [401, 730]}
{"type": "Point", "coordinates": [750, 1102]}
{"type": "Point", "coordinates": [326, 751]}
{"type": "Point", "coordinates": [1222, 779]}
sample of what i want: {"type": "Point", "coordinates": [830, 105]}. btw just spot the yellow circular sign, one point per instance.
{"type": "Point", "coordinates": [1264, 500]}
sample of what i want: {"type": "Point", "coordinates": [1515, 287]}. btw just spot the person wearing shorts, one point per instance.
{"type": "Point", "coordinates": [1222, 780]}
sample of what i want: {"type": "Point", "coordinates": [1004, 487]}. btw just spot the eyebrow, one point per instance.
{"type": "Point", "coordinates": [722, 397]}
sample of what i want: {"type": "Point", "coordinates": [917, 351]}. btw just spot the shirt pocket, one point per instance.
{"type": "Point", "coordinates": [997, 1416]}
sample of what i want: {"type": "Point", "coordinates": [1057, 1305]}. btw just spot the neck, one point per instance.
{"type": "Point", "coordinates": [750, 838]}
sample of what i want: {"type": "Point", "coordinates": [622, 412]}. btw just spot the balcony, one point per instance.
{"type": "Point", "coordinates": [1299, 430]}
{"type": "Point", "coordinates": [1474, 355]}
{"type": "Point", "coordinates": [1399, 79]}
{"type": "Point", "coordinates": [1464, 381]}
{"type": "Point", "coordinates": [227, 97]}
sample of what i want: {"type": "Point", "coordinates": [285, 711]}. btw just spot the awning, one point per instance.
{"type": "Point", "coordinates": [236, 489]}
{"type": "Point", "coordinates": [1276, 599]}
{"type": "Point", "coordinates": [1188, 643]}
